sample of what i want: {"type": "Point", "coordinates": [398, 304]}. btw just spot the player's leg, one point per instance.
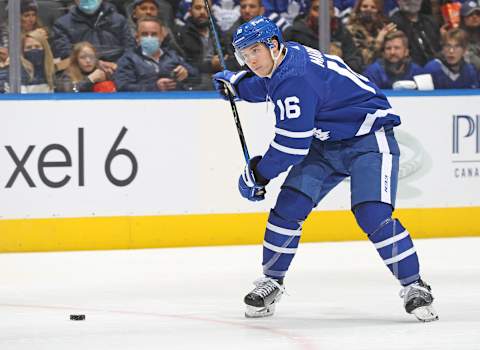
{"type": "Point", "coordinates": [306, 184]}
{"type": "Point", "coordinates": [374, 183]}
{"type": "Point", "coordinates": [282, 236]}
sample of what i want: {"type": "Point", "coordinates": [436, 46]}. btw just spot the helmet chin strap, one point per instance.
{"type": "Point", "coordinates": [275, 59]}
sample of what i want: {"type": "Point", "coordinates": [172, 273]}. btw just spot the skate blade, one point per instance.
{"type": "Point", "coordinates": [258, 312]}
{"type": "Point", "coordinates": [425, 313]}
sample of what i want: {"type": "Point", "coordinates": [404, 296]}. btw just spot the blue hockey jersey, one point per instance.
{"type": "Point", "coordinates": [315, 95]}
{"type": "Point", "coordinates": [376, 73]}
{"type": "Point", "coordinates": [444, 78]}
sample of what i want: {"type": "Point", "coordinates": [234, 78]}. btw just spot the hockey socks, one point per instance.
{"type": "Point", "coordinates": [391, 239]}
{"type": "Point", "coordinates": [283, 232]}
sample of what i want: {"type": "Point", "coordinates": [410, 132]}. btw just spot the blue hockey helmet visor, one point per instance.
{"type": "Point", "coordinates": [258, 30]}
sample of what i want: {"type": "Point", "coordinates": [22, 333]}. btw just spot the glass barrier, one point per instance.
{"type": "Point", "coordinates": [163, 45]}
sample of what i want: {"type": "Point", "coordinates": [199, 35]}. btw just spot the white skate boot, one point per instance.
{"type": "Point", "coordinates": [417, 300]}
{"type": "Point", "coordinates": [262, 299]}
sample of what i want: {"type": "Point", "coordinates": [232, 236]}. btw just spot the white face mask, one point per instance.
{"type": "Point", "coordinates": [89, 6]}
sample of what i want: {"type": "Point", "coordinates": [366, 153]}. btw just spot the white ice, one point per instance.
{"type": "Point", "coordinates": [341, 296]}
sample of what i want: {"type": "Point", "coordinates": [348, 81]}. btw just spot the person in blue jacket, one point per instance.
{"type": "Point", "coordinates": [331, 123]}
{"type": "Point", "coordinates": [151, 67]}
{"type": "Point", "coordinates": [450, 71]}
{"type": "Point", "coordinates": [395, 65]}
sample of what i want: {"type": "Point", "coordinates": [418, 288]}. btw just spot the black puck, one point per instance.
{"type": "Point", "coordinates": [77, 317]}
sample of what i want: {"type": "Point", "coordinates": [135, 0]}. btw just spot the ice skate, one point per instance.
{"type": "Point", "coordinates": [417, 300]}
{"type": "Point", "coordinates": [262, 299]}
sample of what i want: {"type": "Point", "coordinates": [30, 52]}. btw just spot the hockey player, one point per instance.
{"type": "Point", "coordinates": [331, 123]}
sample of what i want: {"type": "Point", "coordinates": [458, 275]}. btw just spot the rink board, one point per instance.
{"type": "Point", "coordinates": [139, 171]}
{"type": "Point", "coordinates": [207, 230]}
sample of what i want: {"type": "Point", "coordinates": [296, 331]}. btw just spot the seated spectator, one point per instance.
{"type": "Point", "coordinates": [149, 67]}
{"type": "Point", "coordinates": [343, 8]}
{"type": "Point", "coordinates": [368, 27]}
{"type": "Point", "coordinates": [421, 30]}
{"type": "Point", "coordinates": [470, 22]}
{"type": "Point", "coordinates": [248, 10]}
{"type": "Point", "coordinates": [97, 22]}
{"type": "Point", "coordinates": [395, 65]}
{"type": "Point", "coordinates": [26, 72]}
{"type": "Point", "coordinates": [450, 71]}
{"type": "Point", "coordinates": [152, 8]}
{"type": "Point", "coordinates": [198, 44]}
{"type": "Point", "coordinates": [83, 72]}
{"type": "Point", "coordinates": [29, 20]}
{"type": "Point", "coordinates": [305, 31]}
{"type": "Point", "coordinates": [37, 51]}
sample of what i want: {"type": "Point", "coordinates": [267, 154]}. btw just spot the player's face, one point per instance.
{"type": "Point", "coordinates": [453, 51]}
{"type": "Point", "coordinates": [250, 9]}
{"type": "Point", "coordinates": [146, 8]}
{"type": "Point", "coordinates": [258, 59]}
{"type": "Point", "coordinates": [395, 50]}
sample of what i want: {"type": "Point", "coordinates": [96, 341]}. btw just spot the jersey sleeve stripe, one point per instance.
{"type": "Point", "coordinates": [294, 134]}
{"type": "Point", "coordinates": [367, 124]}
{"type": "Point", "coordinates": [339, 60]}
{"type": "Point", "coordinates": [289, 150]}
{"type": "Point", "coordinates": [346, 73]}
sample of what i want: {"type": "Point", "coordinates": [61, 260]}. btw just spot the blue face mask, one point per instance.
{"type": "Point", "coordinates": [149, 44]}
{"type": "Point", "coordinates": [89, 6]}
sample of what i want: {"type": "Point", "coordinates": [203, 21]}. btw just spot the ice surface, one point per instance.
{"type": "Point", "coordinates": [341, 296]}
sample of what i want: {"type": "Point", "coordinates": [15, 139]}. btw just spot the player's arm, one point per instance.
{"type": "Point", "coordinates": [243, 85]}
{"type": "Point", "coordinates": [295, 103]}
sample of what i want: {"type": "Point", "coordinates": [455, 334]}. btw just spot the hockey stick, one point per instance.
{"type": "Point", "coordinates": [233, 106]}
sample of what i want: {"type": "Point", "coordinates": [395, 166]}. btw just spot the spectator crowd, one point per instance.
{"type": "Point", "coordinates": [162, 45]}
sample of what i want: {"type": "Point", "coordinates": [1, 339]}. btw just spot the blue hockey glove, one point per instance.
{"type": "Point", "coordinates": [252, 186]}
{"type": "Point", "coordinates": [227, 80]}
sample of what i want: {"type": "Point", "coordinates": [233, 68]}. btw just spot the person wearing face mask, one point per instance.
{"type": "Point", "coordinates": [305, 31]}
{"type": "Point", "coordinates": [197, 42]}
{"type": "Point", "coordinates": [97, 22]}
{"type": "Point", "coordinates": [470, 22]}
{"type": "Point", "coordinates": [83, 72]}
{"type": "Point", "coordinates": [37, 51]}
{"type": "Point", "coordinates": [422, 31]}
{"type": "Point", "coordinates": [149, 67]}
{"type": "Point", "coordinates": [395, 64]}
{"type": "Point", "coordinates": [368, 27]}
{"type": "Point", "coordinates": [159, 9]}
{"type": "Point", "coordinates": [450, 71]}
